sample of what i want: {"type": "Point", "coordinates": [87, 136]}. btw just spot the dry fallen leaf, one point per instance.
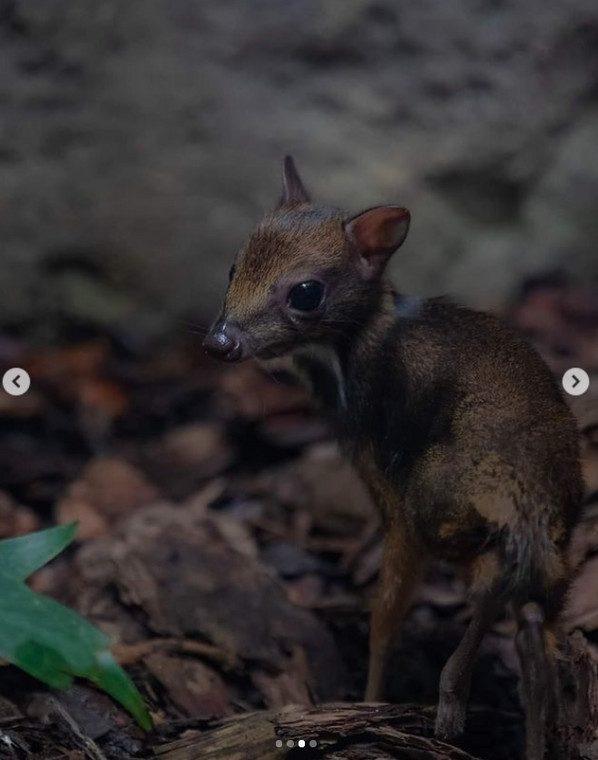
{"type": "Point", "coordinates": [107, 490]}
{"type": "Point", "coordinates": [201, 446]}
{"type": "Point", "coordinates": [324, 484]}
{"type": "Point", "coordinates": [253, 393]}
{"type": "Point", "coordinates": [16, 519]}
{"type": "Point", "coordinates": [194, 687]}
{"type": "Point", "coordinates": [60, 366]}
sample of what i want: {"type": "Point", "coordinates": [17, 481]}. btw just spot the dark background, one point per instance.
{"type": "Point", "coordinates": [140, 141]}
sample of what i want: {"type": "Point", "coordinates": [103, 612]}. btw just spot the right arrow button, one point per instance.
{"type": "Point", "coordinates": [576, 381]}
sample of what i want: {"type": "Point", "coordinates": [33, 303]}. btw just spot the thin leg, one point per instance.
{"type": "Point", "coordinates": [537, 676]}
{"type": "Point", "coordinates": [455, 680]}
{"type": "Point", "coordinates": [403, 565]}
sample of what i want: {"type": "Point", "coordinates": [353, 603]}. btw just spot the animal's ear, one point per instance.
{"type": "Point", "coordinates": [375, 235]}
{"type": "Point", "coordinates": [292, 187]}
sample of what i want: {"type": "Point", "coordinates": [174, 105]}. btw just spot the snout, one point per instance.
{"type": "Point", "coordinates": [224, 342]}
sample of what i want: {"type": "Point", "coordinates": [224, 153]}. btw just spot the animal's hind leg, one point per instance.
{"type": "Point", "coordinates": [455, 680]}
{"type": "Point", "coordinates": [536, 659]}
{"type": "Point", "coordinates": [537, 637]}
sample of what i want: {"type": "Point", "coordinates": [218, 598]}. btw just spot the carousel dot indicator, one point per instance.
{"type": "Point", "coordinates": [291, 743]}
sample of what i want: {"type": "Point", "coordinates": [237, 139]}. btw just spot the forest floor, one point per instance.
{"type": "Point", "coordinates": [231, 553]}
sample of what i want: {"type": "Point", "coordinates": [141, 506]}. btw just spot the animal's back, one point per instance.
{"type": "Point", "coordinates": [505, 400]}
{"type": "Point", "coordinates": [483, 454]}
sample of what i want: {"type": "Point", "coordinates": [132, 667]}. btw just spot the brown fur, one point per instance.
{"type": "Point", "coordinates": [455, 424]}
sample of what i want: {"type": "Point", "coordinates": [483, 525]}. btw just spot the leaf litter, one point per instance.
{"type": "Point", "coordinates": [230, 554]}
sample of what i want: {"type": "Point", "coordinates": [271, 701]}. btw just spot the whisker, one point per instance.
{"type": "Point", "coordinates": [195, 332]}
{"type": "Point", "coordinates": [193, 327]}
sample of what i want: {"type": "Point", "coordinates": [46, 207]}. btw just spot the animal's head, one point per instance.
{"type": "Point", "coordinates": [307, 275]}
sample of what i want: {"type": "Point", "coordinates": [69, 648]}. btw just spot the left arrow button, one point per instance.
{"type": "Point", "coordinates": [16, 381]}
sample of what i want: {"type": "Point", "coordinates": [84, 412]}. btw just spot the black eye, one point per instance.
{"type": "Point", "coordinates": [307, 296]}
{"type": "Point", "coordinates": [231, 274]}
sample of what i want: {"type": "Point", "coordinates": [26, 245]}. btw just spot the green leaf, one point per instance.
{"type": "Point", "coordinates": [49, 641]}
{"type": "Point", "coordinates": [110, 677]}
{"type": "Point", "coordinates": [22, 556]}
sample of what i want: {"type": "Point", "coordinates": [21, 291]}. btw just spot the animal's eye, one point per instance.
{"type": "Point", "coordinates": [307, 296]}
{"type": "Point", "coordinates": [231, 273]}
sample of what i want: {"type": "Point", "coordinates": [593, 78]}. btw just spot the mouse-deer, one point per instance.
{"type": "Point", "coordinates": [454, 422]}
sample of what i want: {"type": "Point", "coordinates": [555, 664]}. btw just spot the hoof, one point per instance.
{"type": "Point", "coordinates": [450, 721]}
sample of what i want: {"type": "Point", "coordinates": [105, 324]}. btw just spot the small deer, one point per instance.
{"type": "Point", "coordinates": [453, 421]}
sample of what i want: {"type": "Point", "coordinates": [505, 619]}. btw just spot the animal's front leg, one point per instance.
{"type": "Point", "coordinates": [403, 564]}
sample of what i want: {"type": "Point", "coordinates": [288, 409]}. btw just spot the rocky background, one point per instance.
{"type": "Point", "coordinates": [139, 142]}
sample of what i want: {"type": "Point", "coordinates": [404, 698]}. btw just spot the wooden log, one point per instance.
{"type": "Point", "coordinates": [342, 732]}
{"type": "Point", "coordinates": [391, 732]}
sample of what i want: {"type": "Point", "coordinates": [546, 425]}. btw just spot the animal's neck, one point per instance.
{"type": "Point", "coordinates": [356, 348]}
{"type": "Point", "coordinates": [338, 371]}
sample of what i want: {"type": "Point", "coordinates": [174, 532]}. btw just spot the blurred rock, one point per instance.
{"type": "Point", "coordinates": [140, 143]}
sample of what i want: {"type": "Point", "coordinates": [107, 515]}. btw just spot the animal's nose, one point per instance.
{"type": "Point", "coordinates": [223, 342]}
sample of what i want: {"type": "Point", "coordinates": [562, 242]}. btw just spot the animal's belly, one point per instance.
{"type": "Point", "coordinates": [455, 537]}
